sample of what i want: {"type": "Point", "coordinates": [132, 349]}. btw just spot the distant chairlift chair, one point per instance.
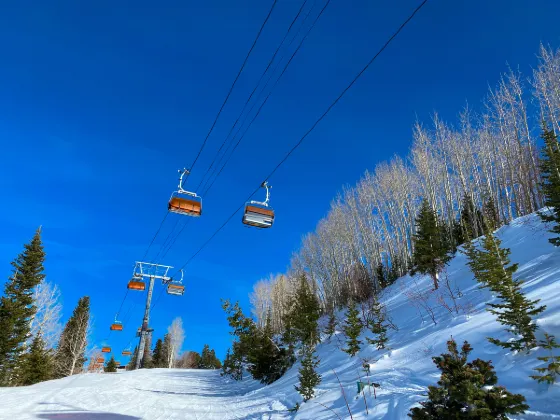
{"type": "Point", "coordinates": [176, 287]}
{"type": "Point", "coordinates": [137, 283]}
{"type": "Point", "coordinates": [117, 325]}
{"type": "Point", "coordinates": [183, 201]}
{"type": "Point", "coordinates": [259, 214]}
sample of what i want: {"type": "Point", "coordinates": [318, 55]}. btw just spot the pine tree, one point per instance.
{"type": "Point", "coordinates": [381, 277]}
{"type": "Point", "coordinates": [378, 326]}
{"type": "Point", "coordinates": [38, 363]}
{"type": "Point", "coordinates": [157, 355]}
{"type": "Point", "coordinates": [352, 328]}
{"type": "Point", "coordinates": [491, 215]}
{"type": "Point", "coordinates": [471, 219]}
{"type": "Point", "coordinates": [491, 268]}
{"type": "Point", "coordinates": [431, 247]}
{"type": "Point", "coordinates": [330, 329]}
{"type": "Point", "coordinates": [548, 373]}
{"type": "Point", "coordinates": [132, 363]}
{"type": "Point", "coordinates": [17, 309]}
{"type": "Point", "coordinates": [308, 376]}
{"type": "Point", "coordinates": [111, 366]}
{"type": "Point", "coordinates": [304, 314]}
{"type": "Point", "coordinates": [147, 360]}
{"type": "Point", "coordinates": [550, 181]}
{"type": "Point", "coordinates": [467, 390]}
{"type": "Point", "coordinates": [70, 353]}
{"type": "Point", "coordinates": [232, 366]}
{"type": "Point", "coordinates": [165, 349]}
{"type": "Point", "coordinates": [208, 359]}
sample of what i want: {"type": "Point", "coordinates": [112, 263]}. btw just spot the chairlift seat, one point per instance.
{"type": "Point", "coordinates": [136, 285]}
{"type": "Point", "coordinates": [175, 289]}
{"type": "Point", "coordinates": [105, 349]}
{"type": "Point", "coordinates": [182, 205]}
{"type": "Point", "coordinates": [126, 353]}
{"type": "Point", "coordinates": [100, 360]}
{"type": "Point", "coordinates": [258, 216]}
{"type": "Point", "coordinates": [117, 326]}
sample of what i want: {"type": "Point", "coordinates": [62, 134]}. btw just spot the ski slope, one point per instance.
{"type": "Point", "coordinates": [403, 372]}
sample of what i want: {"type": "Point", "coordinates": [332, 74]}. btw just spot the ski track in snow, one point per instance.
{"type": "Point", "coordinates": [404, 371]}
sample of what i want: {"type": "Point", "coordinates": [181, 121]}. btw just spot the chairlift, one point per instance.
{"type": "Point", "coordinates": [117, 325]}
{"type": "Point", "coordinates": [183, 201]}
{"type": "Point", "coordinates": [137, 283]}
{"type": "Point", "coordinates": [126, 353]}
{"type": "Point", "coordinates": [100, 360]}
{"type": "Point", "coordinates": [259, 214]}
{"type": "Point", "coordinates": [175, 287]}
{"type": "Point", "coordinates": [105, 349]}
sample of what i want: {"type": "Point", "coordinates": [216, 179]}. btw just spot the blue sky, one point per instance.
{"type": "Point", "coordinates": [101, 103]}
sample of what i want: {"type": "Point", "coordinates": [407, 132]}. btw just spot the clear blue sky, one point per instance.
{"type": "Point", "coordinates": [101, 102]}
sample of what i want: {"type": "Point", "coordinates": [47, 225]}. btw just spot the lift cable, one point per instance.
{"type": "Point", "coordinates": [208, 187]}
{"type": "Point", "coordinates": [232, 86]}
{"type": "Point", "coordinates": [330, 107]}
{"type": "Point", "coordinates": [252, 93]}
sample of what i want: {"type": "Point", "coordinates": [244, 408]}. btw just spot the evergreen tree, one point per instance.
{"type": "Point", "coordinates": [208, 359]}
{"type": "Point", "coordinates": [70, 353]}
{"type": "Point", "coordinates": [431, 247]}
{"type": "Point", "coordinates": [304, 314]}
{"type": "Point", "coordinates": [491, 215]}
{"type": "Point", "coordinates": [467, 390]}
{"type": "Point", "coordinates": [330, 329]}
{"type": "Point", "coordinates": [471, 220]}
{"type": "Point", "coordinates": [245, 332]}
{"type": "Point", "coordinates": [132, 363]}
{"type": "Point", "coordinates": [548, 373]}
{"type": "Point", "coordinates": [491, 268]}
{"type": "Point", "coordinates": [165, 350]}
{"type": "Point", "coordinates": [550, 181]}
{"type": "Point", "coordinates": [352, 329]}
{"type": "Point", "coordinates": [308, 376]}
{"type": "Point", "coordinates": [378, 325]}
{"type": "Point", "coordinates": [38, 363]}
{"type": "Point", "coordinates": [157, 355]}
{"type": "Point", "coordinates": [381, 277]}
{"type": "Point", "coordinates": [17, 309]}
{"type": "Point", "coordinates": [111, 365]}
{"type": "Point", "coordinates": [147, 360]}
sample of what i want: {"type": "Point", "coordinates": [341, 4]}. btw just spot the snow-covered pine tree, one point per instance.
{"type": "Point", "coordinates": [111, 365]}
{"type": "Point", "coordinates": [550, 181]}
{"type": "Point", "coordinates": [491, 268]}
{"type": "Point", "coordinates": [38, 362]}
{"type": "Point", "coordinates": [378, 325]}
{"type": "Point", "coordinates": [431, 247]}
{"type": "Point", "coordinates": [467, 390]}
{"type": "Point", "coordinates": [70, 353]}
{"type": "Point", "coordinates": [352, 328]}
{"type": "Point", "coordinates": [549, 372]}
{"type": "Point", "coordinates": [17, 308]}
{"type": "Point", "coordinates": [308, 376]}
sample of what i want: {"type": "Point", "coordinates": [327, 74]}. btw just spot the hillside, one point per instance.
{"type": "Point", "coordinates": [404, 372]}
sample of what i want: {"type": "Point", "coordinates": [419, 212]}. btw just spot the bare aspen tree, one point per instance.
{"type": "Point", "coordinates": [176, 338]}
{"type": "Point", "coordinates": [46, 298]}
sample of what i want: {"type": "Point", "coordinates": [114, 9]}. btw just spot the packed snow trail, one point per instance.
{"type": "Point", "coordinates": [144, 394]}
{"type": "Point", "coordinates": [404, 371]}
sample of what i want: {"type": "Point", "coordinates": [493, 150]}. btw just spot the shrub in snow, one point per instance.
{"type": "Point", "coordinates": [467, 390]}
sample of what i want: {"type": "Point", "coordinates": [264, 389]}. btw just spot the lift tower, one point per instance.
{"type": "Point", "coordinates": [151, 272]}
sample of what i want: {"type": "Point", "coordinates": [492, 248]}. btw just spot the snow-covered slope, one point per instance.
{"type": "Point", "coordinates": [404, 372]}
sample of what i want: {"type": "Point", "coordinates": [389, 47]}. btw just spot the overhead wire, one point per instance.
{"type": "Point", "coordinates": [252, 93]}
{"type": "Point", "coordinates": [313, 126]}
{"type": "Point", "coordinates": [232, 86]}
{"type": "Point", "coordinates": [207, 189]}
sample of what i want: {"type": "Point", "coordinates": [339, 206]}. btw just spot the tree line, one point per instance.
{"type": "Point", "coordinates": [34, 346]}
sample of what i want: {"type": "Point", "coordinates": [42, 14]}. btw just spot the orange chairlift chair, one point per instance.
{"type": "Point", "coordinates": [183, 201]}
{"type": "Point", "coordinates": [117, 325]}
{"type": "Point", "coordinates": [137, 282]}
{"type": "Point", "coordinates": [259, 214]}
{"type": "Point", "coordinates": [106, 349]}
{"type": "Point", "coordinates": [176, 287]}
{"type": "Point", "coordinates": [126, 352]}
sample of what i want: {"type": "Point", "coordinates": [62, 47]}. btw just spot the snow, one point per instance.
{"type": "Point", "coordinates": [403, 372]}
